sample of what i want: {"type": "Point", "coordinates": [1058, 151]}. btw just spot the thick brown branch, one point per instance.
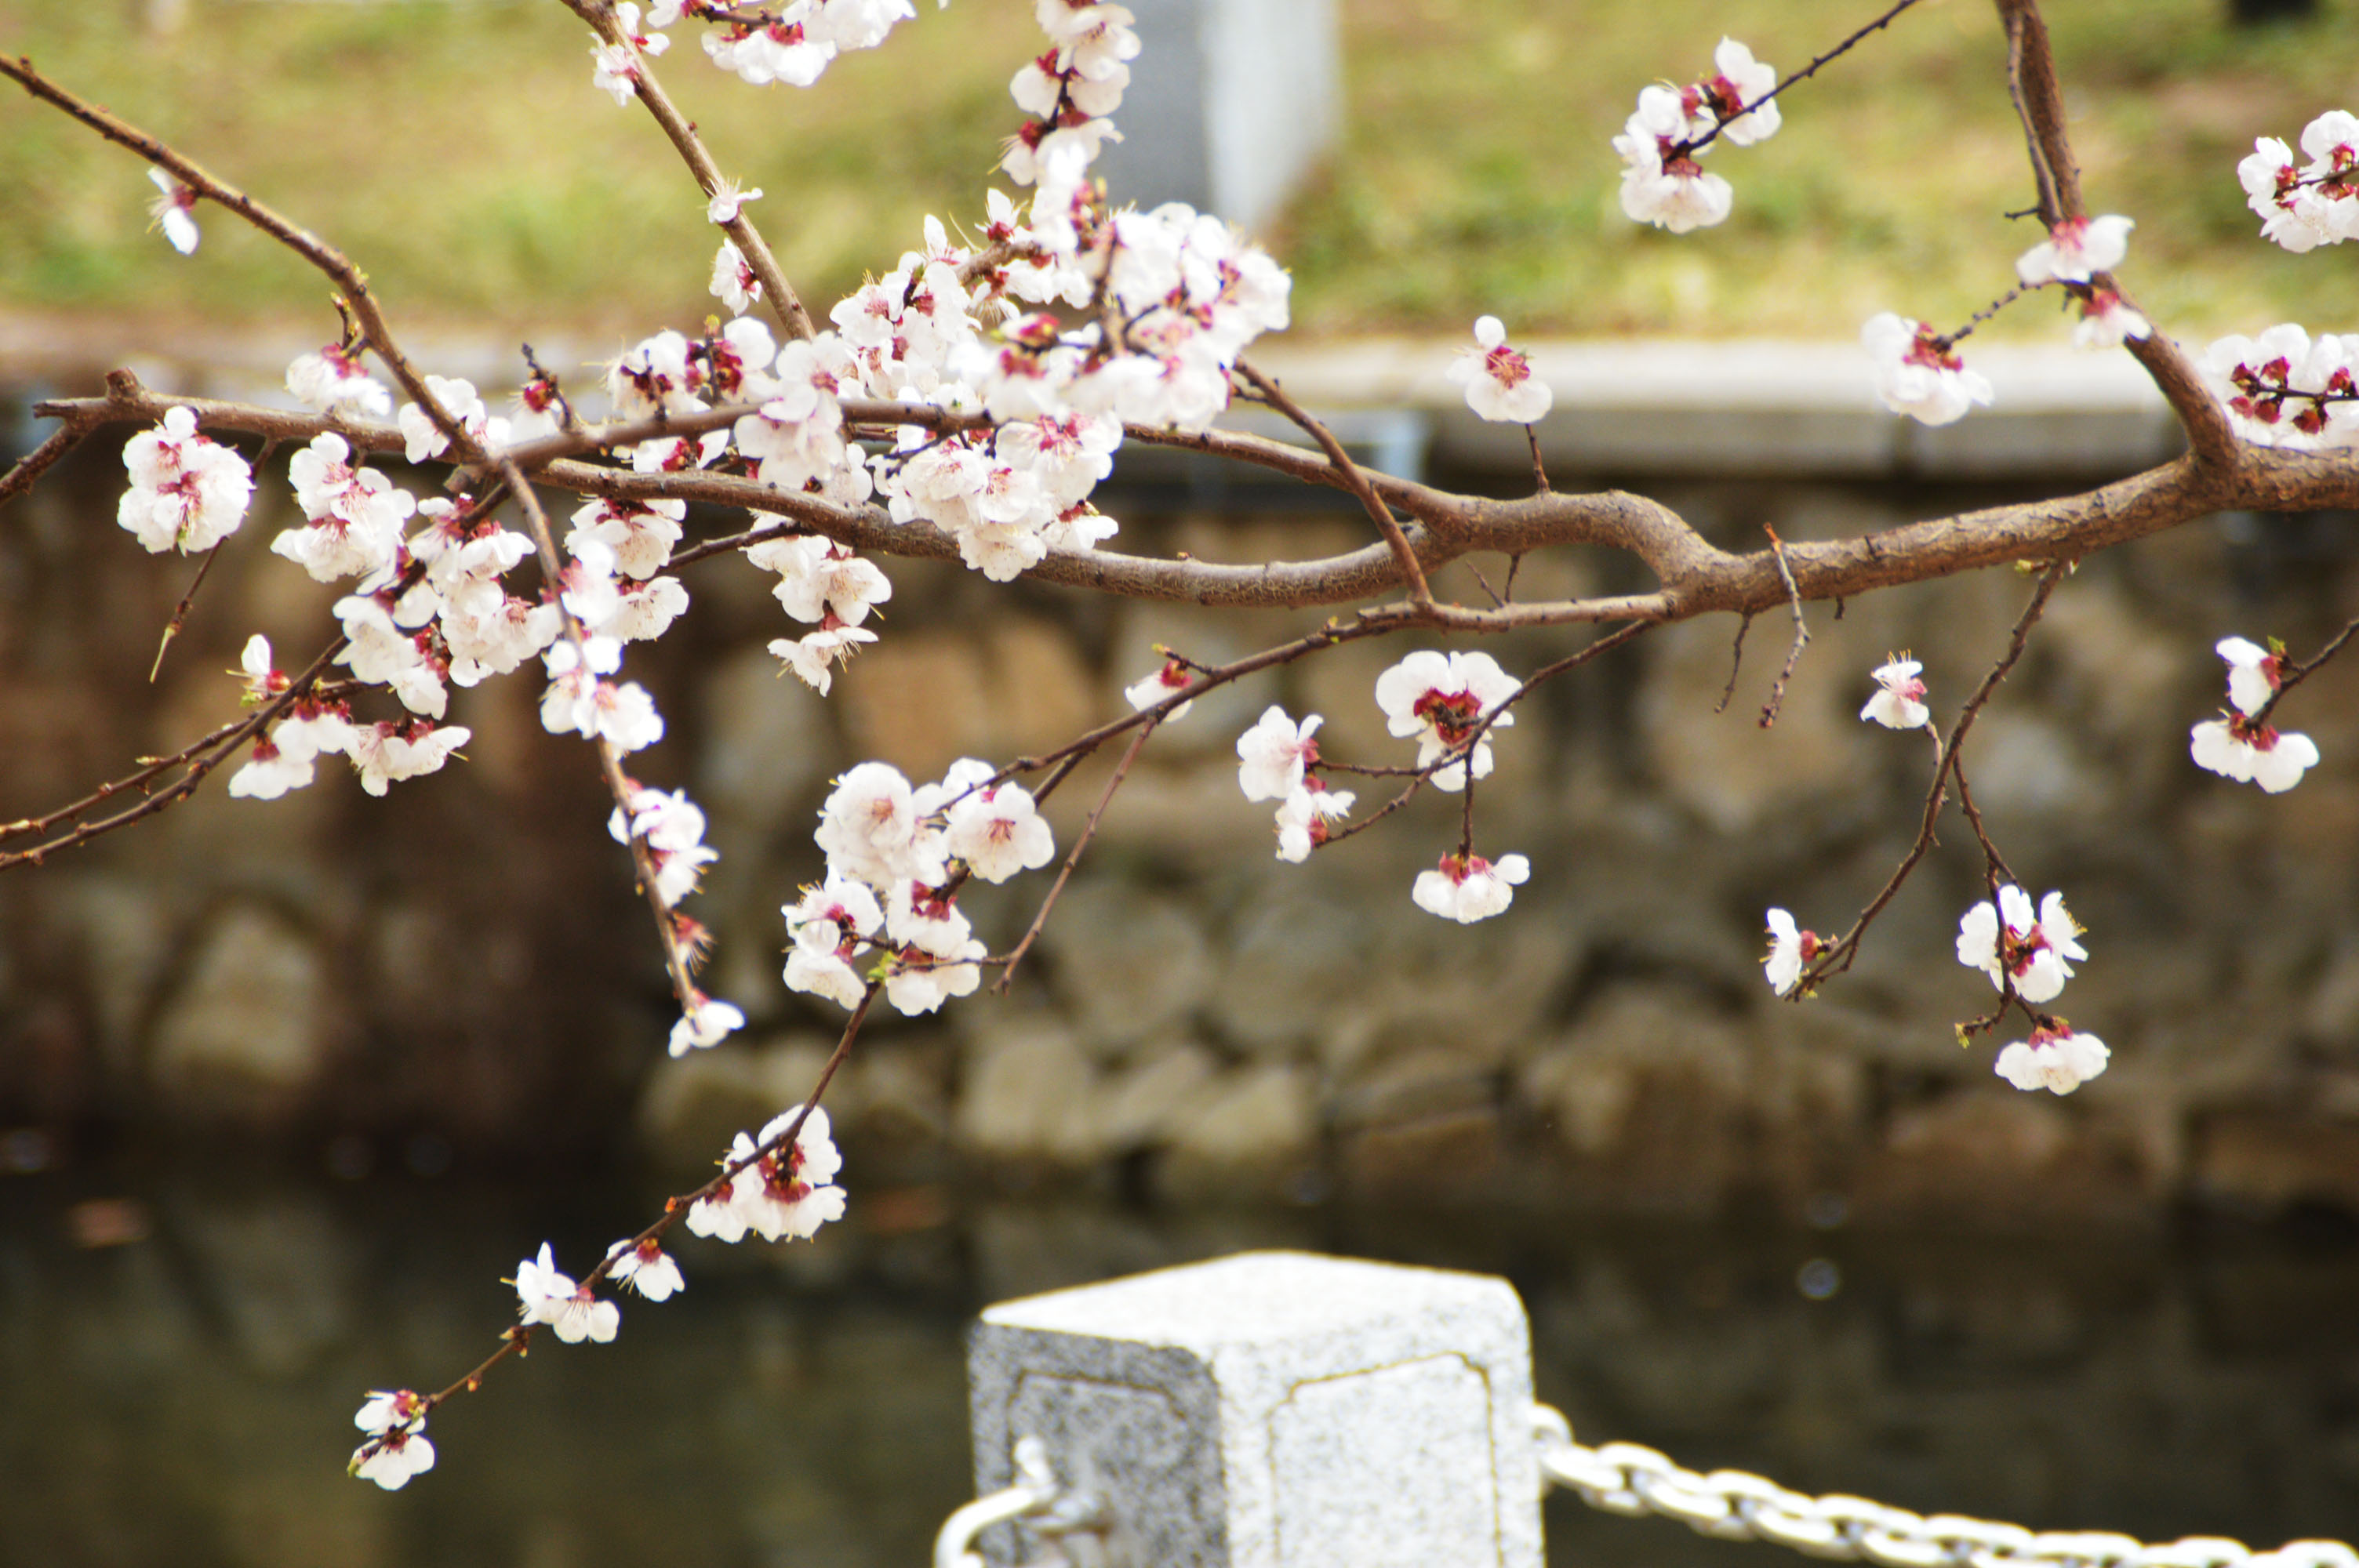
{"type": "Point", "coordinates": [1341, 462]}
{"type": "Point", "coordinates": [1698, 578]}
{"type": "Point", "coordinates": [2039, 102]}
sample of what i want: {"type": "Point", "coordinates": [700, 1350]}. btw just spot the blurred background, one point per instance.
{"type": "Point", "coordinates": [286, 1088]}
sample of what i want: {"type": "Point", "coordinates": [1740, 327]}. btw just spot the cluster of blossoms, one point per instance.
{"type": "Point", "coordinates": [312, 727]}
{"type": "Point", "coordinates": [897, 856]}
{"type": "Point", "coordinates": [795, 46]}
{"type": "Point", "coordinates": [188, 491]}
{"type": "Point", "coordinates": [2028, 953]}
{"type": "Point", "coordinates": [2240, 744]}
{"type": "Point", "coordinates": [2073, 253]}
{"type": "Point", "coordinates": [1274, 762]}
{"type": "Point", "coordinates": [1662, 184]}
{"type": "Point", "coordinates": [823, 583]}
{"type": "Point", "coordinates": [2282, 389]}
{"type": "Point", "coordinates": [1449, 702]}
{"type": "Point", "coordinates": [396, 1448]}
{"type": "Point", "coordinates": [2316, 203]}
{"type": "Point", "coordinates": [786, 1193]}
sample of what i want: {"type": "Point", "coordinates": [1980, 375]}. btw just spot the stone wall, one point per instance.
{"type": "Point", "coordinates": [465, 964]}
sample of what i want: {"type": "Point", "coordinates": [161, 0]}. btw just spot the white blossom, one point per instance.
{"type": "Point", "coordinates": [647, 1269]}
{"type": "Point", "coordinates": [2237, 748]}
{"type": "Point", "coordinates": [574, 1311]}
{"type": "Point", "coordinates": [1304, 815]}
{"type": "Point", "coordinates": [188, 492]}
{"type": "Point", "coordinates": [1443, 699]}
{"type": "Point", "coordinates": [1791, 950]}
{"type": "Point", "coordinates": [2058, 1060]}
{"type": "Point", "coordinates": [1469, 888]}
{"type": "Point", "coordinates": [705, 1025]}
{"type": "Point", "coordinates": [1899, 699]}
{"type": "Point", "coordinates": [2010, 942]}
{"type": "Point", "coordinates": [1273, 754]}
{"type": "Point", "coordinates": [1918, 372]}
{"type": "Point", "coordinates": [172, 212]}
{"type": "Point", "coordinates": [1500, 382]}
{"type": "Point", "coordinates": [2076, 250]}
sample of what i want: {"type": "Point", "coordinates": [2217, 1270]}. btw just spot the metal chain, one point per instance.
{"type": "Point", "coordinates": [1732, 1505]}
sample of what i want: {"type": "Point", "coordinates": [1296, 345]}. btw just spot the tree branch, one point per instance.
{"type": "Point", "coordinates": [783, 301]}
{"type": "Point", "coordinates": [302, 241]}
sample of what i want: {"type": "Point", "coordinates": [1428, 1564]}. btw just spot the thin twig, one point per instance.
{"type": "Point", "coordinates": [1540, 468]}
{"type": "Point", "coordinates": [302, 241]}
{"type": "Point", "coordinates": [2289, 678]}
{"type": "Point", "coordinates": [180, 610]}
{"type": "Point", "coordinates": [1064, 874]}
{"type": "Point", "coordinates": [1412, 573]}
{"type": "Point", "coordinates": [1801, 632]}
{"type": "Point", "coordinates": [678, 963]}
{"type": "Point", "coordinates": [1836, 957]}
{"type": "Point", "coordinates": [516, 1341]}
{"type": "Point", "coordinates": [740, 229]}
{"type": "Point", "coordinates": [1804, 74]}
{"type": "Point", "coordinates": [198, 761]}
{"type": "Point", "coordinates": [1735, 663]}
{"type": "Point", "coordinates": [35, 463]}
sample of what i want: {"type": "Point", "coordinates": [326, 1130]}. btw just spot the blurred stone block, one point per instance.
{"type": "Point", "coordinates": [1232, 102]}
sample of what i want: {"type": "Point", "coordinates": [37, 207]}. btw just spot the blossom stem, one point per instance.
{"type": "Point", "coordinates": [1089, 830]}
{"type": "Point", "coordinates": [2290, 678]}
{"type": "Point", "coordinates": [1844, 47]}
{"type": "Point", "coordinates": [679, 964]}
{"type": "Point", "coordinates": [1801, 632]}
{"type": "Point", "coordinates": [1836, 955]}
{"type": "Point", "coordinates": [692, 149]}
{"type": "Point", "coordinates": [1735, 663]}
{"type": "Point", "coordinates": [180, 610]}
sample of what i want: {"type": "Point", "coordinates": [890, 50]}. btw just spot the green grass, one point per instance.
{"type": "Point", "coordinates": [460, 155]}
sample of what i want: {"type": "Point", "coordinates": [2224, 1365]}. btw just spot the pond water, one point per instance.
{"type": "Point", "coordinates": [181, 1350]}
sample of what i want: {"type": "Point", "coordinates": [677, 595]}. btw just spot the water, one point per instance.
{"type": "Point", "coordinates": [183, 1394]}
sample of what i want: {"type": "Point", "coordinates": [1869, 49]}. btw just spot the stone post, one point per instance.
{"type": "Point", "coordinates": [1272, 1410]}
{"type": "Point", "coordinates": [1231, 104]}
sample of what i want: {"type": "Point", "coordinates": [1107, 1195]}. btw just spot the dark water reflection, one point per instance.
{"type": "Point", "coordinates": [186, 1398]}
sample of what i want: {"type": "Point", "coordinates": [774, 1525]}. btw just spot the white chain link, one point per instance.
{"type": "Point", "coordinates": [1626, 1478]}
